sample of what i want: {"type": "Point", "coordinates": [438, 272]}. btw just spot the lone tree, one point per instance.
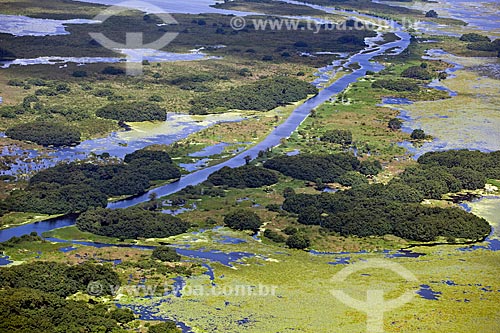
{"type": "Point", "coordinates": [243, 219]}
{"type": "Point", "coordinates": [395, 124]}
{"type": "Point", "coordinates": [418, 134]}
{"type": "Point", "coordinates": [165, 253]}
{"type": "Point", "coordinates": [248, 158]}
{"type": "Point", "coordinates": [431, 13]}
{"type": "Point", "coordinates": [298, 241]}
{"type": "Point", "coordinates": [338, 136]}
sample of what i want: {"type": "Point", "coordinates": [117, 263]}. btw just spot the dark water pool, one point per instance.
{"type": "Point", "coordinates": [427, 293]}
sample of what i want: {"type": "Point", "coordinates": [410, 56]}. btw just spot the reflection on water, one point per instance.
{"type": "Point", "coordinates": [26, 26]}
{"type": "Point", "coordinates": [136, 55]}
{"type": "Point", "coordinates": [117, 144]}
{"type": "Point", "coordinates": [363, 63]}
{"type": "Point", "coordinates": [426, 292]}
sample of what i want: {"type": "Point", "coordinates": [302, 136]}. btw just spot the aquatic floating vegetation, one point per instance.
{"type": "Point", "coordinates": [226, 259]}
{"type": "Point", "coordinates": [177, 211]}
{"type": "Point", "coordinates": [190, 167]}
{"type": "Point", "coordinates": [175, 128]}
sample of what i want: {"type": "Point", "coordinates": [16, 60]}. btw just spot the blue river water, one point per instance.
{"type": "Point", "coordinates": [284, 130]}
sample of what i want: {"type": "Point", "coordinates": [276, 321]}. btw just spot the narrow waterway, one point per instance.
{"type": "Point", "coordinates": [363, 59]}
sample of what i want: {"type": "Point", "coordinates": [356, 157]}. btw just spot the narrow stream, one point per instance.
{"type": "Point", "coordinates": [363, 59]}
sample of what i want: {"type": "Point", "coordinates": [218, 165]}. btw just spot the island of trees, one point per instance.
{"type": "Point", "coordinates": [132, 111]}
{"type": "Point", "coordinates": [130, 223]}
{"type": "Point", "coordinates": [243, 177]}
{"type": "Point", "coordinates": [263, 95]}
{"type": "Point", "coordinates": [327, 168]}
{"type": "Point", "coordinates": [396, 208]}
{"type": "Point", "coordinates": [77, 186]}
{"type": "Point", "coordinates": [45, 133]}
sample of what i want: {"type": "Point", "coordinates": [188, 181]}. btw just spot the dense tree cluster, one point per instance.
{"type": "Point", "coordinates": [242, 177]}
{"type": "Point", "coordinates": [418, 134]}
{"type": "Point", "coordinates": [33, 298]}
{"type": "Point", "coordinates": [14, 241]}
{"type": "Point", "coordinates": [156, 165]}
{"type": "Point", "coordinates": [132, 111]}
{"type": "Point", "coordinates": [370, 167]}
{"type": "Point", "coordinates": [395, 124]}
{"type": "Point", "coordinates": [298, 241]}
{"type": "Point", "coordinates": [474, 37]}
{"type": "Point", "coordinates": [327, 168]}
{"type": "Point", "coordinates": [263, 95]}
{"type": "Point", "coordinates": [45, 133]}
{"type": "Point", "coordinates": [395, 208]}
{"type": "Point", "coordinates": [111, 70]}
{"type": "Point", "coordinates": [165, 253]}
{"type": "Point", "coordinates": [485, 46]}
{"type": "Point", "coordinates": [130, 223]}
{"type": "Point", "coordinates": [486, 163]}
{"type": "Point", "coordinates": [274, 236]}
{"type": "Point", "coordinates": [57, 278]}
{"type": "Point", "coordinates": [55, 199]}
{"type": "Point", "coordinates": [397, 85]}
{"type": "Point", "coordinates": [338, 136]}
{"type": "Point", "coordinates": [381, 210]}
{"type": "Point", "coordinates": [242, 219]}
{"type": "Point", "coordinates": [77, 186]}
{"type": "Point", "coordinates": [352, 178]}
{"type": "Point", "coordinates": [31, 310]}
{"type": "Point", "coordinates": [417, 72]}
{"type": "Point", "coordinates": [439, 173]}
{"type": "Point", "coordinates": [431, 13]}
{"type": "Point", "coordinates": [6, 55]}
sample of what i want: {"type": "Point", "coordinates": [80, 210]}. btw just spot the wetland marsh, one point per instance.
{"type": "Point", "coordinates": [221, 278]}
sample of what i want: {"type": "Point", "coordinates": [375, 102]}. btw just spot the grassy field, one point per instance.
{"type": "Point", "coordinates": [295, 287]}
{"type": "Point", "coordinates": [16, 218]}
{"type": "Point", "coordinates": [51, 9]}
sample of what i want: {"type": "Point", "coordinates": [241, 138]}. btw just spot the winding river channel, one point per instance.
{"type": "Point", "coordinates": [362, 58]}
{"type": "Point", "coordinates": [364, 62]}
